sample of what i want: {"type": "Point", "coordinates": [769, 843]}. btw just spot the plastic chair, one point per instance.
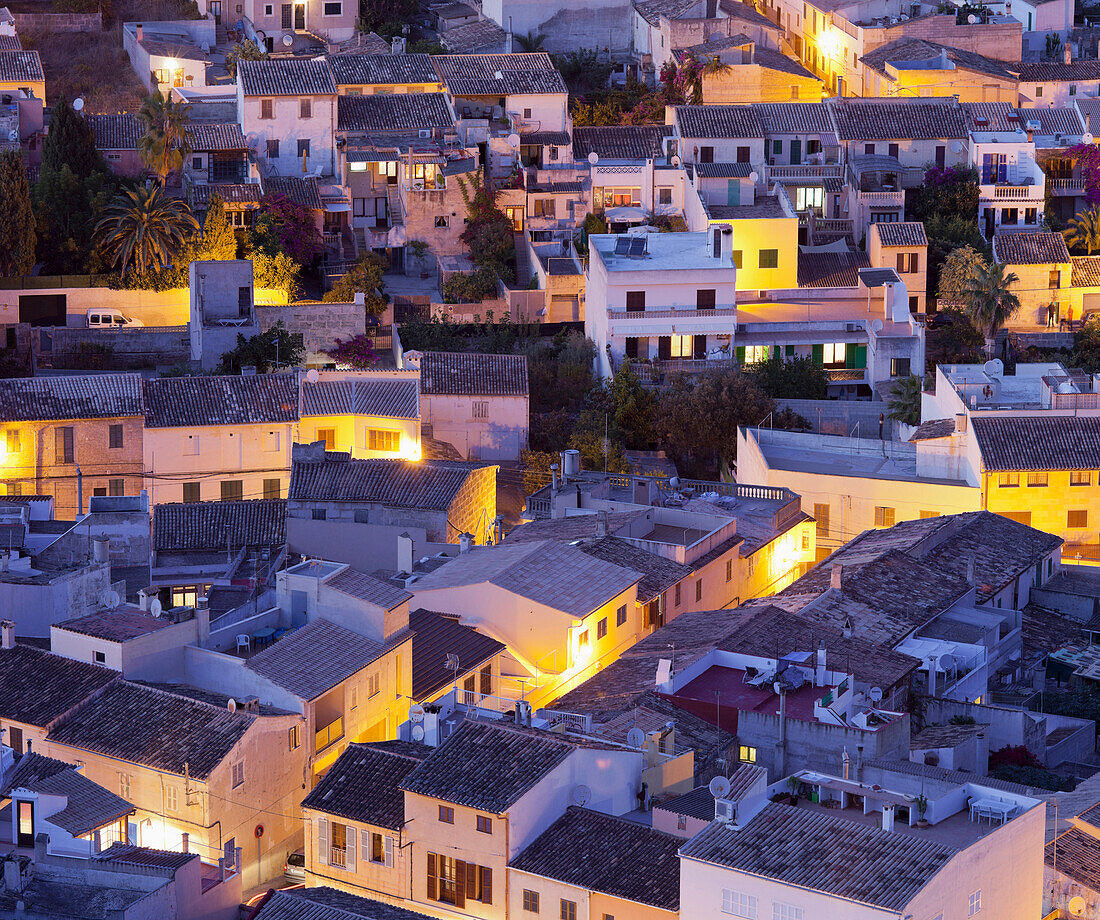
{"type": "Point", "coordinates": [244, 642]}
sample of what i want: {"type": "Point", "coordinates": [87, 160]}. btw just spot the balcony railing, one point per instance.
{"type": "Point", "coordinates": [882, 197]}
{"type": "Point", "coordinates": [672, 314]}
{"type": "Point", "coordinates": [808, 171]}
{"type": "Point", "coordinates": [338, 856]}
{"type": "Point", "coordinates": [1067, 186]}
{"type": "Point", "coordinates": [657, 370]}
{"type": "Point", "coordinates": [1017, 192]}
{"type": "Point", "coordinates": [331, 733]}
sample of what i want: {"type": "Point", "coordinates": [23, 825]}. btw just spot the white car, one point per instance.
{"type": "Point", "coordinates": [109, 318]}
{"type": "Point", "coordinates": [295, 868]}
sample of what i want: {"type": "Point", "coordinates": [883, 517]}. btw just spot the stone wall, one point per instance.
{"type": "Point", "coordinates": [474, 507]}
{"type": "Point", "coordinates": [130, 348]}
{"type": "Point", "coordinates": [1002, 41]}
{"type": "Point", "coordinates": [319, 323]}
{"type": "Point", "coordinates": [59, 22]}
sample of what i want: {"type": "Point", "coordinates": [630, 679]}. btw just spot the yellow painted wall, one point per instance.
{"type": "Point", "coordinates": [350, 434]}
{"type": "Point", "coordinates": [1048, 505]}
{"type": "Point", "coordinates": [750, 236]}
{"type": "Point", "coordinates": [753, 83]}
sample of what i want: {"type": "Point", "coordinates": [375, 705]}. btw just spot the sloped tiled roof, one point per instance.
{"type": "Point", "coordinates": [771, 59]}
{"type": "Point", "coordinates": [377, 397]}
{"type": "Point", "coordinates": [918, 49]}
{"type": "Point", "coordinates": [37, 687]}
{"type": "Point", "coordinates": [719, 121]}
{"type": "Point", "coordinates": [1076, 853]}
{"type": "Point", "coordinates": [364, 784]}
{"type": "Point", "coordinates": [831, 269]}
{"type": "Point", "coordinates": [10, 43]}
{"type": "Point", "coordinates": [88, 805]}
{"type": "Point", "coordinates": [20, 65]}
{"type": "Point", "coordinates": [723, 170]}
{"type": "Point", "coordinates": [427, 485]}
{"type": "Point", "coordinates": [1079, 71]}
{"type": "Point", "coordinates": [906, 233]}
{"type": "Point", "coordinates": [116, 132]}
{"type": "Point", "coordinates": [658, 574]}
{"type": "Point", "coordinates": [128, 854]}
{"type": "Point", "coordinates": [991, 116]}
{"type": "Point", "coordinates": [882, 119]}
{"type": "Point", "coordinates": [935, 428]}
{"type": "Point", "coordinates": [652, 10]}
{"type": "Point", "coordinates": [328, 904]}
{"type": "Point", "coordinates": [117, 625]}
{"type": "Point", "coordinates": [195, 401]}
{"type": "Point", "coordinates": [520, 74]}
{"type": "Point", "coordinates": [1030, 247]}
{"type": "Point", "coordinates": [824, 853]}
{"type": "Point", "coordinates": [483, 37]}
{"type": "Point", "coordinates": [1059, 120]}
{"type": "Point", "coordinates": [316, 657]}
{"type": "Point", "coordinates": [1038, 442]}
{"type": "Point", "coordinates": [794, 117]}
{"type": "Point", "coordinates": [601, 853]}
{"type": "Point", "coordinates": [747, 12]}
{"type": "Point", "coordinates": [368, 588]}
{"type": "Point", "coordinates": [65, 397]}
{"type": "Point", "coordinates": [165, 731]}
{"type": "Point", "coordinates": [435, 636]}
{"type": "Point", "coordinates": [301, 190]}
{"type": "Point", "coordinates": [445, 373]}
{"type": "Point", "coordinates": [230, 193]}
{"type": "Point", "coordinates": [206, 526]}
{"type": "Point", "coordinates": [621, 142]}
{"type": "Point", "coordinates": [1086, 271]}
{"type": "Point", "coordinates": [393, 112]}
{"type": "Point", "coordinates": [286, 77]}
{"type": "Point", "coordinates": [216, 137]}
{"type": "Point", "coordinates": [382, 69]}
{"type": "Point", "coordinates": [488, 766]}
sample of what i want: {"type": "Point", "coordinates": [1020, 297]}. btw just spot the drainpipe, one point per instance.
{"type": "Point", "coordinates": [79, 491]}
{"type": "Point", "coordinates": [781, 748]}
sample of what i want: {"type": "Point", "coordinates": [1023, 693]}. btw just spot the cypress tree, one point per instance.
{"type": "Point", "coordinates": [70, 142]}
{"type": "Point", "coordinates": [17, 229]}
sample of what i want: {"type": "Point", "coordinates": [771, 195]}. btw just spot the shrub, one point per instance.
{"type": "Point", "coordinates": [357, 352]}
{"type": "Point", "coordinates": [470, 288]}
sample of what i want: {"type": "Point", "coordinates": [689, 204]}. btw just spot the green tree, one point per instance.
{"type": "Point", "coordinates": [144, 228]}
{"type": "Point", "coordinates": [364, 277]}
{"type": "Point", "coordinates": [165, 146]}
{"type": "Point", "coordinates": [17, 229]}
{"type": "Point", "coordinates": [67, 207]}
{"type": "Point", "coordinates": [989, 300]}
{"type": "Point", "coordinates": [70, 142]}
{"type": "Point", "coordinates": [247, 50]}
{"type": "Point", "coordinates": [904, 400]}
{"type": "Point", "coordinates": [531, 41]}
{"type": "Point", "coordinates": [632, 409]}
{"type": "Point", "coordinates": [583, 70]}
{"type": "Point", "coordinates": [488, 234]}
{"type": "Point", "coordinates": [597, 451]}
{"type": "Point", "coordinates": [1086, 348]}
{"type": "Point", "coordinates": [797, 378]}
{"type": "Point", "coordinates": [219, 241]}
{"type": "Point", "coordinates": [268, 351]}
{"type": "Point", "coordinates": [956, 342]}
{"type": "Point", "coordinates": [1083, 231]}
{"type": "Point", "coordinates": [957, 275]}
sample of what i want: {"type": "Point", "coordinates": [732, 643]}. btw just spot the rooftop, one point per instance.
{"type": "Point", "coordinates": [831, 269]}
{"type": "Point", "coordinates": [301, 190]}
{"type": "Point", "coordinates": [1054, 121]}
{"type": "Point", "coordinates": [907, 233]}
{"type": "Point", "coordinates": [621, 142]}
{"type": "Point", "coordinates": [1039, 442]}
{"type": "Point", "coordinates": [70, 397]}
{"type": "Point", "coordinates": [368, 588]}
{"type": "Point", "coordinates": [328, 904]}
{"type": "Point", "coordinates": [663, 252]}
{"type": "Point", "coordinates": [218, 525]}
{"type": "Point", "coordinates": [794, 117]}
{"type": "Point", "coordinates": [1079, 71]}
{"type": "Point", "coordinates": [172, 402]}
{"type": "Point", "coordinates": [436, 636]}
{"type": "Point", "coordinates": [943, 736]}
{"type": "Point", "coordinates": [116, 132]}
{"type": "Point", "coordinates": [383, 69]}
{"type": "Point", "coordinates": [286, 77]}
{"type": "Point", "coordinates": [905, 119]}
{"type": "Point", "coordinates": [21, 65]}
{"type": "Point", "coordinates": [1031, 247]}
{"type": "Point", "coordinates": [37, 687]}
{"type": "Point", "coordinates": [1076, 853]}
{"type": "Point", "coordinates": [393, 112]}
{"type": "Point", "coordinates": [499, 74]}
{"type": "Point", "coordinates": [909, 50]}
{"type": "Point", "coordinates": [88, 805]}
{"type": "Point", "coordinates": [482, 37]}
{"type": "Point", "coordinates": [719, 121]}
{"type": "Point", "coordinates": [116, 625]}
{"type": "Point", "coordinates": [371, 396]}
{"type": "Point", "coordinates": [472, 374]}
{"type": "Point", "coordinates": [601, 853]}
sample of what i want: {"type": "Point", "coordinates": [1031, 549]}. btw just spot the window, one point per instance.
{"type": "Point", "coordinates": [272, 488]}
{"type": "Point", "coordinates": [441, 222]}
{"type": "Point", "coordinates": [706, 154]}
{"type": "Point", "coordinates": [677, 604]}
{"type": "Point", "coordinates": [975, 902]}
{"type": "Point", "coordinates": [869, 149]}
{"type": "Point", "coordinates": [269, 9]}
{"type": "Point", "coordinates": [738, 256]}
{"type": "Point", "coordinates": [929, 514]}
{"type": "Point", "coordinates": [705, 299]}
{"type": "Point", "coordinates": [446, 814]}
{"type": "Point", "coordinates": [908, 263]}
{"type": "Point", "coordinates": [530, 901]}
{"type": "Point", "coordinates": [479, 408]}
{"type": "Point", "coordinates": [453, 881]}
{"type": "Point", "coordinates": [114, 437]}
{"type": "Point", "coordinates": [899, 367]}
{"type": "Point", "coordinates": [582, 640]}
{"type": "Point", "coordinates": [601, 628]}
{"type": "Point", "coordinates": [353, 698]}
{"type": "Point", "coordinates": [1077, 519]}
{"type": "Point", "coordinates": [13, 441]}
{"type": "Point", "coordinates": [893, 150]}
{"type": "Point", "coordinates": [833, 354]}
{"type": "Point", "coordinates": [124, 785]}
{"type": "Point", "coordinates": [620, 615]}
{"type": "Point", "coordinates": [379, 439]}
{"type": "Point", "coordinates": [729, 571]}
{"type": "Point", "coordinates": [305, 108]}
{"type": "Point", "coordinates": [553, 152]}
{"type": "Point", "coordinates": [328, 435]}
{"type": "Point", "coordinates": [1073, 89]}
{"type": "Point", "coordinates": [192, 492]}
{"type": "Point", "coordinates": [568, 910]}
{"type": "Point", "coordinates": [99, 657]}
{"type": "Point", "coordinates": [1038, 92]}
{"type": "Point", "coordinates": [303, 147]}
{"type": "Point", "coordinates": [1055, 279]}
{"type": "Point", "coordinates": [377, 848]}
{"type": "Point", "coordinates": [769, 258]}
{"type": "Point", "coordinates": [484, 824]}
{"type": "Point", "coordinates": [374, 683]}
{"type": "Point", "coordinates": [273, 149]}
{"type": "Point", "coordinates": [63, 444]}
{"type": "Point", "coordinates": [334, 8]}
{"type": "Point", "coordinates": [738, 904]}
{"type": "Point", "coordinates": [698, 590]}
{"type": "Point", "coordinates": [294, 737]}
{"type": "Point", "coordinates": [1080, 478]}
{"type": "Point", "coordinates": [754, 354]}
{"type": "Point", "coordinates": [238, 774]}
{"type": "Point", "coordinates": [116, 486]}
{"type": "Point", "coordinates": [884, 517]}
{"type": "Point", "coordinates": [664, 196]}
{"type": "Point", "coordinates": [1037, 479]}
{"type": "Point", "coordinates": [821, 515]}
{"type": "Point", "coordinates": [635, 301]}
{"type": "Point", "coordinates": [232, 490]}
{"type": "Point", "coordinates": [171, 798]}
{"type": "Point", "coordinates": [742, 154]}
{"type": "Point", "coordinates": [1031, 215]}
{"type": "Point", "coordinates": [781, 911]}
{"type": "Point", "coordinates": [746, 754]}
{"type": "Point", "coordinates": [1008, 480]}
{"type": "Point", "coordinates": [267, 110]}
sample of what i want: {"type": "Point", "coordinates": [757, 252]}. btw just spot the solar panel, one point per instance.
{"type": "Point", "coordinates": [637, 246]}
{"type": "Point", "coordinates": [622, 246]}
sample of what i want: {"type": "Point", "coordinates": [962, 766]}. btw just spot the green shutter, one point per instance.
{"type": "Point", "coordinates": [861, 356]}
{"type": "Point", "coordinates": [818, 353]}
{"type": "Point", "coordinates": [740, 354]}
{"type": "Point", "coordinates": [789, 351]}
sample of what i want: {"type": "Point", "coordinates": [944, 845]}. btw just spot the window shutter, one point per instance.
{"type": "Point", "coordinates": [740, 354]}
{"type": "Point", "coordinates": [322, 841]}
{"type": "Point", "coordinates": [391, 845]}
{"type": "Point", "coordinates": [471, 880]}
{"type": "Point", "coordinates": [351, 849]}
{"type": "Point", "coordinates": [432, 881]}
{"type": "Point", "coordinates": [486, 885]}
{"type": "Point", "coordinates": [914, 261]}
{"type": "Point", "coordinates": [861, 356]}
{"type": "Point", "coordinates": [460, 884]}
{"type": "Point", "coordinates": [364, 848]}
{"type": "Point", "coordinates": [664, 348]}
{"type": "Point", "coordinates": [699, 347]}
{"type": "Point", "coordinates": [818, 352]}
{"type": "Point", "coordinates": [789, 351]}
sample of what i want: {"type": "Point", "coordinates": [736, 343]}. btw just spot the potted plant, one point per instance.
{"type": "Point", "coordinates": [794, 784]}
{"type": "Point", "coordinates": [921, 803]}
{"type": "Point", "coordinates": [419, 249]}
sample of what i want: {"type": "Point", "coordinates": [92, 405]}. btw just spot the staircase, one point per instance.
{"type": "Point", "coordinates": [397, 212]}
{"type": "Point", "coordinates": [221, 35]}
{"type": "Point", "coordinates": [523, 269]}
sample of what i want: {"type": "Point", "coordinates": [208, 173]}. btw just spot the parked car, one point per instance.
{"type": "Point", "coordinates": [295, 868]}
{"type": "Point", "coordinates": [110, 318]}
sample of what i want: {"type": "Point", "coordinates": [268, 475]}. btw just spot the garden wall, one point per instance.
{"type": "Point", "coordinates": [130, 348]}
{"type": "Point", "coordinates": [59, 22]}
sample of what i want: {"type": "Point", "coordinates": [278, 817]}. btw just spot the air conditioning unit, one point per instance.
{"type": "Point", "coordinates": [725, 810]}
{"type": "Point", "coordinates": [425, 132]}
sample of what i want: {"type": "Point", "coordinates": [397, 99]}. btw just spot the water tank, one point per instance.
{"type": "Point", "coordinates": [572, 465]}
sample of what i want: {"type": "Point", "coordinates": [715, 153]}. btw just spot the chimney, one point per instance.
{"type": "Point", "coordinates": [101, 549]}
{"type": "Point", "coordinates": [960, 422]}
{"type": "Point", "coordinates": [185, 839]}
{"type": "Point", "coordinates": [202, 616]}
{"type": "Point", "coordinates": [465, 542]}
{"type": "Point", "coordinates": [820, 675]}
{"type": "Point", "coordinates": [846, 759]}
{"type": "Point", "coordinates": [716, 236]}
{"type": "Point", "coordinates": [970, 571]}
{"type": "Point", "coordinates": [553, 477]}
{"type": "Point", "coordinates": [144, 597]}
{"type": "Point", "coordinates": [7, 629]}
{"type": "Point", "coordinates": [1030, 135]}
{"type": "Point", "coordinates": [859, 763]}
{"type": "Point", "coordinates": [847, 628]}
{"type": "Point", "coordinates": [601, 524]}
{"type": "Point", "coordinates": [943, 59]}
{"type": "Point", "coordinates": [405, 553]}
{"type": "Point", "coordinates": [887, 816]}
{"type": "Point", "coordinates": [139, 31]}
{"type": "Point", "coordinates": [1067, 53]}
{"type": "Point", "coordinates": [834, 576]}
{"type": "Point", "coordinates": [498, 529]}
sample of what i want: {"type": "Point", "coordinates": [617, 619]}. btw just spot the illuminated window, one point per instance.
{"type": "Point", "coordinates": [1008, 480]}
{"type": "Point", "coordinates": [746, 754]}
{"type": "Point", "coordinates": [328, 435]}
{"type": "Point", "coordinates": [379, 439]}
{"type": "Point", "coordinates": [13, 441]}
{"type": "Point", "coordinates": [884, 516]}
{"type": "Point", "coordinates": [1038, 479]}
{"type": "Point", "coordinates": [1077, 519]}
{"type": "Point", "coordinates": [754, 354]}
{"type": "Point", "coordinates": [834, 353]}
{"type": "Point", "coordinates": [582, 641]}
{"type": "Point", "coordinates": [1080, 478]}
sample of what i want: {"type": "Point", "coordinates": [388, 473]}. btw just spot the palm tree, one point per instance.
{"type": "Point", "coordinates": [165, 145]}
{"type": "Point", "coordinates": [713, 66]}
{"type": "Point", "coordinates": [989, 300]}
{"type": "Point", "coordinates": [531, 41]}
{"type": "Point", "coordinates": [904, 400]}
{"type": "Point", "coordinates": [142, 228]}
{"type": "Point", "coordinates": [1084, 230]}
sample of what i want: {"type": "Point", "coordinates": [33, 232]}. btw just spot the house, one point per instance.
{"type": "Point", "coordinates": [904, 246]}
{"type": "Point", "coordinates": [453, 15]}
{"type": "Point", "coordinates": [754, 74]}
{"type": "Point", "coordinates": [358, 74]}
{"type": "Point", "coordinates": [1040, 259]}
{"type": "Point", "coordinates": [219, 156]}
{"type": "Point", "coordinates": [333, 21]}
{"type": "Point", "coordinates": [365, 414]}
{"type": "Point", "coordinates": [51, 797]}
{"type": "Point", "coordinates": [170, 55]}
{"type": "Point", "coordinates": [479, 403]}
{"type": "Point", "coordinates": [1045, 84]}
{"type": "Point", "coordinates": [222, 303]}
{"type": "Point", "coordinates": [914, 67]}
{"type": "Point", "coordinates": [718, 133]}
{"type": "Point", "coordinates": [669, 297]}
{"type": "Point", "coordinates": [1069, 873]}
{"type": "Point", "coordinates": [577, 863]}
{"type": "Point", "coordinates": [289, 106]}
{"type": "Point", "coordinates": [447, 498]}
{"type": "Point", "coordinates": [438, 639]}
{"type": "Point", "coordinates": [72, 436]}
{"type": "Point", "coordinates": [21, 76]}
{"type": "Point", "coordinates": [326, 903]}
{"type": "Point", "coordinates": [663, 27]}
{"type": "Point", "coordinates": [200, 431]}
{"type": "Point", "coordinates": [117, 138]}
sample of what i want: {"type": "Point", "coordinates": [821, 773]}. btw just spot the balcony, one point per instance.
{"type": "Point", "coordinates": [882, 198]}
{"type": "Point", "coordinates": [656, 372]}
{"type": "Point", "coordinates": [827, 171]}
{"type": "Point", "coordinates": [1066, 187]}
{"type": "Point", "coordinates": [685, 321]}
{"type": "Point", "coordinates": [330, 734]}
{"type": "Point", "coordinates": [338, 856]}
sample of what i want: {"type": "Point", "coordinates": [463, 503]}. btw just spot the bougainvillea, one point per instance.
{"type": "Point", "coordinates": [1088, 158]}
{"type": "Point", "coordinates": [292, 225]}
{"type": "Point", "coordinates": [357, 352]}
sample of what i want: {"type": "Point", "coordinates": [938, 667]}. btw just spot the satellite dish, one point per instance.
{"type": "Point", "coordinates": [972, 19]}
{"type": "Point", "coordinates": [947, 662]}
{"type": "Point", "coordinates": [719, 787]}
{"type": "Point", "coordinates": [78, 104]}
{"type": "Point", "coordinates": [110, 599]}
{"type": "Point", "coordinates": [674, 482]}
{"type": "Point", "coordinates": [876, 325]}
{"type": "Point", "coordinates": [593, 158]}
{"type": "Point", "coordinates": [231, 705]}
{"type": "Point", "coordinates": [416, 713]}
{"type": "Point", "coordinates": [1076, 905]}
{"type": "Point", "coordinates": [312, 376]}
{"type": "Point", "coordinates": [676, 161]}
{"type": "Point", "coordinates": [957, 147]}
{"type": "Point", "coordinates": [581, 795]}
{"type": "Point", "coordinates": [156, 608]}
{"type": "Point", "coordinates": [635, 737]}
{"type": "Point", "coordinates": [754, 176]}
{"type": "Point", "coordinates": [287, 39]}
{"type": "Point", "coordinates": [1086, 138]}
{"type": "Point", "coordinates": [513, 141]}
{"type": "Point", "coordinates": [876, 694]}
{"type": "Point", "coordinates": [418, 733]}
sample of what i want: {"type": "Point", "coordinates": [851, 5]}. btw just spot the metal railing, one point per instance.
{"type": "Point", "coordinates": [338, 856]}
{"type": "Point", "coordinates": [331, 733]}
{"type": "Point", "coordinates": [686, 313]}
